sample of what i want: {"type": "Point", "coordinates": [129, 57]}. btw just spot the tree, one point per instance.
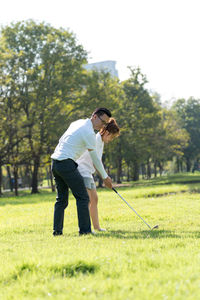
{"type": "Point", "coordinates": [11, 133]}
{"type": "Point", "coordinates": [43, 65]}
{"type": "Point", "coordinates": [188, 112]}
{"type": "Point", "coordinates": [169, 139]}
{"type": "Point", "coordinates": [140, 119]}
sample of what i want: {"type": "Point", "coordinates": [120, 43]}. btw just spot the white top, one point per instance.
{"type": "Point", "coordinates": [77, 138]}
{"type": "Point", "coordinates": [85, 164]}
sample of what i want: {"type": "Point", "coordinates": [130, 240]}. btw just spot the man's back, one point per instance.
{"type": "Point", "coordinates": [79, 137]}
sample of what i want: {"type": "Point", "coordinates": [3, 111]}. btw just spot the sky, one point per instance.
{"type": "Point", "coordinates": [160, 36]}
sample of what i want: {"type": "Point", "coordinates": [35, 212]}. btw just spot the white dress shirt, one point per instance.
{"type": "Point", "coordinates": [85, 164]}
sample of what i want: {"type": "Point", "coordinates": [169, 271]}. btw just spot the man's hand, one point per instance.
{"type": "Point", "coordinates": [108, 182]}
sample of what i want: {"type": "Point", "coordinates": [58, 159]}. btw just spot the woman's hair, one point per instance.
{"type": "Point", "coordinates": [111, 127]}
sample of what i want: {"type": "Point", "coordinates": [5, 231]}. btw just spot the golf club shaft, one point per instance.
{"type": "Point", "coordinates": [131, 207]}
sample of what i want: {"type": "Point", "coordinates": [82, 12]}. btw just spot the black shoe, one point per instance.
{"type": "Point", "coordinates": [57, 233]}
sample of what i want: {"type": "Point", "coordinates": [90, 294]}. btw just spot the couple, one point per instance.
{"type": "Point", "coordinates": [78, 150]}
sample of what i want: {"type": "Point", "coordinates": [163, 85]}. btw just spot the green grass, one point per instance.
{"type": "Point", "coordinates": [126, 262]}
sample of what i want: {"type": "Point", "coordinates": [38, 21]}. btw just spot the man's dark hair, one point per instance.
{"type": "Point", "coordinates": [101, 111]}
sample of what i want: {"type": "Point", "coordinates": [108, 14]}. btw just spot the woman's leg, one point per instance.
{"type": "Point", "coordinates": [93, 208]}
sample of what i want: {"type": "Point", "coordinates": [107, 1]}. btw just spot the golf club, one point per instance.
{"type": "Point", "coordinates": [155, 227]}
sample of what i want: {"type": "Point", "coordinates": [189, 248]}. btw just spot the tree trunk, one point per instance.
{"type": "Point", "coordinates": [119, 169]}
{"type": "Point", "coordinates": [15, 172]}
{"type": "Point", "coordinates": [29, 175]}
{"type": "Point", "coordinates": [119, 163]}
{"type": "Point", "coordinates": [178, 165]}
{"type": "Point", "coordinates": [181, 166]}
{"type": "Point", "coordinates": [135, 171]}
{"type": "Point", "coordinates": [48, 177]}
{"type": "Point", "coordinates": [155, 168]}
{"type": "Point", "coordinates": [160, 168]}
{"type": "Point", "coordinates": [148, 169]}
{"type": "Point", "coordinates": [1, 179]}
{"type": "Point", "coordinates": [128, 174]}
{"type": "Point", "coordinates": [34, 185]}
{"type": "Point", "coordinates": [10, 178]}
{"type": "Point", "coordinates": [143, 171]}
{"type": "Point", "coordinates": [188, 165]}
{"type": "Point", "coordinates": [51, 179]}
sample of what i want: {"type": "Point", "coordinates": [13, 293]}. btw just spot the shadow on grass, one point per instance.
{"type": "Point", "coordinates": [148, 234]}
{"type": "Point", "coordinates": [67, 270]}
{"type": "Point", "coordinates": [145, 234]}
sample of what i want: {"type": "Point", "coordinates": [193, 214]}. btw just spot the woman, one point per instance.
{"type": "Point", "coordinates": [86, 168]}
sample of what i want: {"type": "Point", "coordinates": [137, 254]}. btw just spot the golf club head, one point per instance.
{"type": "Point", "coordinates": [155, 227]}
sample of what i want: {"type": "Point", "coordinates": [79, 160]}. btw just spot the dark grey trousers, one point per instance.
{"type": "Point", "coordinates": [67, 176]}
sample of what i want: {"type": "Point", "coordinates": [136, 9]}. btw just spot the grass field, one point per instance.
{"type": "Point", "coordinates": [127, 262]}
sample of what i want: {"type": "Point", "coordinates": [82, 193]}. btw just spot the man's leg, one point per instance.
{"type": "Point", "coordinates": [67, 170]}
{"type": "Point", "coordinates": [77, 186]}
{"type": "Point", "coordinates": [60, 205]}
{"type": "Point", "coordinates": [61, 201]}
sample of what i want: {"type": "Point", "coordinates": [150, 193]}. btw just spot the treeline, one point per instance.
{"type": "Point", "coordinates": [44, 87]}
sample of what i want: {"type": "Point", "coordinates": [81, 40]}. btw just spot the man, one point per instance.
{"type": "Point", "coordinates": [78, 138]}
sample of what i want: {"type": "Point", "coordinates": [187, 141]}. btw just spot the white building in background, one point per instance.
{"type": "Point", "coordinates": [107, 65]}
